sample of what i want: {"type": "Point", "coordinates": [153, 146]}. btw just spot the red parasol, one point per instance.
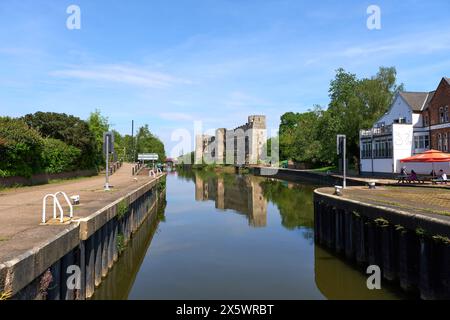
{"type": "Point", "coordinates": [429, 156]}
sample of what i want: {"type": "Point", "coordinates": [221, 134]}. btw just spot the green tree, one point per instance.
{"type": "Point", "coordinates": [20, 148]}
{"type": "Point", "coordinates": [71, 130]}
{"type": "Point", "coordinates": [59, 157]}
{"type": "Point", "coordinates": [355, 104]}
{"type": "Point", "coordinates": [98, 125]}
{"type": "Point", "coordinates": [146, 142]}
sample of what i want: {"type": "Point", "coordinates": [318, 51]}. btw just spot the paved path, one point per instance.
{"type": "Point", "coordinates": [421, 200]}
{"type": "Point", "coordinates": [21, 208]}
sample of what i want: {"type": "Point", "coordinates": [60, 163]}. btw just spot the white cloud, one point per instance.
{"type": "Point", "coordinates": [123, 74]}
{"type": "Point", "coordinates": [176, 116]}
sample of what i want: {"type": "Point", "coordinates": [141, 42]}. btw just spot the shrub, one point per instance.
{"type": "Point", "coordinates": [20, 148]}
{"type": "Point", "coordinates": [71, 130]}
{"type": "Point", "coordinates": [59, 157]}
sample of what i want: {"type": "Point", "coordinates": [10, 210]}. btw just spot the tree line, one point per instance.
{"type": "Point", "coordinates": [355, 104]}
{"type": "Point", "coordinates": [48, 142]}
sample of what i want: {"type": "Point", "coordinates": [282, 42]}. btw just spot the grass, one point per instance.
{"type": "Point", "coordinates": [120, 244]}
{"type": "Point", "coordinates": [326, 169]}
{"type": "Point", "coordinates": [122, 209]}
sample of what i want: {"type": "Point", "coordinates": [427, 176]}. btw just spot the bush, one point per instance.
{"type": "Point", "coordinates": [71, 130]}
{"type": "Point", "coordinates": [59, 157]}
{"type": "Point", "coordinates": [20, 148]}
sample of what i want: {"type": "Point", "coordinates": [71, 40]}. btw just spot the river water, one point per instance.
{"type": "Point", "coordinates": [225, 236]}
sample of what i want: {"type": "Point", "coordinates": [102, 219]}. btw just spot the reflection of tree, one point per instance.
{"type": "Point", "coordinates": [294, 202]}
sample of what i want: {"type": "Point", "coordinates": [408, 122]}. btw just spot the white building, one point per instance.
{"type": "Point", "coordinates": [400, 133]}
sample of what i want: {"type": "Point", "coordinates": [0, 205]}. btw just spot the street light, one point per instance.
{"type": "Point", "coordinates": [108, 147]}
{"type": "Point", "coordinates": [343, 138]}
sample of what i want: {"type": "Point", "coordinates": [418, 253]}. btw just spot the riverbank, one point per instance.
{"type": "Point", "coordinates": [406, 232]}
{"type": "Point", "coordinates": [28, 251]}
{"type": "Point", "coordinates": [331, 179]}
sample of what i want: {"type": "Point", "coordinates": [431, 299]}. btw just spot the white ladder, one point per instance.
{"type": "Point", "coordinates": [56, 203]}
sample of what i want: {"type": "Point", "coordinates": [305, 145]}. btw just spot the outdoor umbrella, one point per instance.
{"type": "Point", "coordinates": [430, 156]}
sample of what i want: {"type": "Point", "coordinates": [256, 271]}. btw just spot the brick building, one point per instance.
{"type": "Point", "coordinates": [437, 117]}
{"type": "Point", "coordinates": [414, 123]}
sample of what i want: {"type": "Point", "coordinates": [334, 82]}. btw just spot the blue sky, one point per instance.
{"type": "Point", "coordinates": [168, 63]}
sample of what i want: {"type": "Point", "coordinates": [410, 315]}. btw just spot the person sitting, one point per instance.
{"type": "Point", "coordinates": [403, 171]}
{"type": "Point", "coordinates": [412, 176]}
{"type": "Point", "coordinates": [442, 177]}
{"type": "Point", "coordinates": [433, 174]}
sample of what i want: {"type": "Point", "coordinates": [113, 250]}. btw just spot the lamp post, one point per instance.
{"type": "Point", "coordinates": [108, 144]}
{"type": "Point", "coordinates": [344, 164]}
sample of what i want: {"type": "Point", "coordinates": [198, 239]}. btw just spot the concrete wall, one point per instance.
{"type": "Point", "coordinates": [402, 141]}
{"type": "Point", "coordinates": [416, 262]}
{"type": "Point", "coordinates": [90, 244]}
{"type": "Point", "coordinates": [44, 178]}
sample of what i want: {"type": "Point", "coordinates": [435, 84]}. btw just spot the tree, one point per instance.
{"type": "Point", "coordinates": [20, 148]}
{"type": "Point", "coordinates": [355, 104]}
{"type": "Point", "coordinates": [288, 125]}
{"type": "Point", "coordinates": [146, 142]}
{"type": "Point", "coordinates": [59, 157]}
{"type": "Point", "coordinates": [71, 130]}
{"type": "Point", "coordinates": [98, 125]}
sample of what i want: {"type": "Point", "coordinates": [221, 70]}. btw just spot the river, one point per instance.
{"type": "Point", "coordinates": [226, 236]}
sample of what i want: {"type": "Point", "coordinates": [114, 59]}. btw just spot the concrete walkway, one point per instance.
{"type": "Point", "coordinates": [416, 200]}
{"type": "Point", "coordinates": [21, 208]}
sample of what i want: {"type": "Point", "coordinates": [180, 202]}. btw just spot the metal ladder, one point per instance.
{"type": "Point", "coordinates": [56, 204]}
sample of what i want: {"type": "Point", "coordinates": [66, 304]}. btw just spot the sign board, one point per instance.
{"type": "Point", "coordinates": [110, 139]}
{"type": "Point", "coordinates": [340, 139]}
{"type": "Point", "coordinates": [148, 156]}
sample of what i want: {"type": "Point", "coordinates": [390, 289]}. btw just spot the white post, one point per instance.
{"type": "Point", "coordinates": [107, 163]}
{"type": "Point", "coordinates": [344, 156]}
{"type": "Point", "coordinates": [344, 184]}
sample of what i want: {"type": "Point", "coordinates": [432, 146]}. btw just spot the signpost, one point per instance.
{"type": "Point", "coordinates": [108, 148]}
{"type": "Point", "coordinates": [341, 141]}
{"type": "Point", "coordinates": [149, 157]}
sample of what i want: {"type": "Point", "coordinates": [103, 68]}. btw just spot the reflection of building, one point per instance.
{"type": "Point", "coordinates": [243, 194]}
{"type": "Point", "coordinates": [242, 145]}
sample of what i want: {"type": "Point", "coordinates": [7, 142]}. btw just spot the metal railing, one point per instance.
{"type": "Point", "coordinates": [56, 204]}
{"type": "Point", "coordinates": [376, 131]}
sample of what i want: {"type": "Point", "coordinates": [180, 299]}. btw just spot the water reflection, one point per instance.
{"type": "Point", "coordinates": [202, 250]}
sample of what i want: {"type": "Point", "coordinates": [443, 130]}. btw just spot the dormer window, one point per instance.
{"type": "Point", "coordinates": [426, 121]}
{"type": "Point", "coordinates": [441, 115]}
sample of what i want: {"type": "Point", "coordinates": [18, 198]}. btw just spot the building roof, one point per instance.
{"type": "Point", "coordinates": [418, 101]}
{"type": "Point", "coordinates": [448, 80]}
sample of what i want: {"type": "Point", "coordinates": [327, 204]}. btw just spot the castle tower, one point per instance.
{"type": "Point", "coordinates": [257, 137]}
{"type": "Point", "coordinates": [220, 145]}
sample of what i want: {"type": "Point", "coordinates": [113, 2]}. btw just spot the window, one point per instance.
{"type": "Point", "coordinates": [421, 142]}
{"type": "Point", "coordinates": [383, 148]}
{"type": "Point", "coordinates": [425, 121]}
{"type": "Point", "coordinates": [446, 114]}
{"type": "Point", "coordinates": [366, 152]}
{"type": "Point", "coordinates": [445, 143]}
{"type": "Point", "coordinates": [441, 115]}
{"type": "Point", "coordinates": [439, 142]}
